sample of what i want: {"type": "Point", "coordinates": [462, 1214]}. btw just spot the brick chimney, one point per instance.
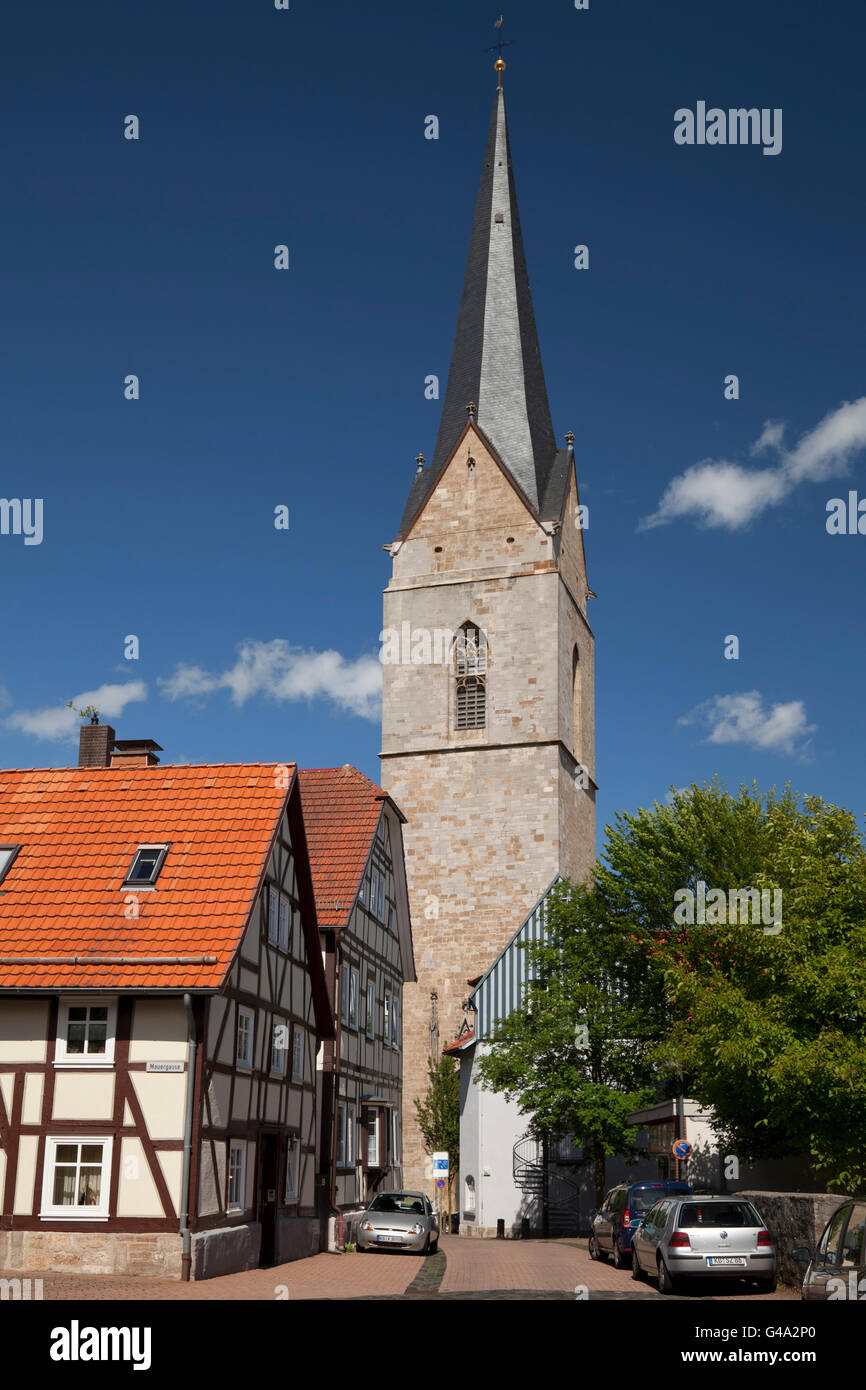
{"type": "Point", "coordinates": [135, 752]}
{"type": "Point", "coordinates": [95, 742]}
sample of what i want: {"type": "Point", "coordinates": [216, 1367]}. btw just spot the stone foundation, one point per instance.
{"type": "Point", "coordinates": [149, 1254]}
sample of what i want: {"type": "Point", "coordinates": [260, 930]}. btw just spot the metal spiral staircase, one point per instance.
{"type": "Point", "coordinates": [532, 1176]}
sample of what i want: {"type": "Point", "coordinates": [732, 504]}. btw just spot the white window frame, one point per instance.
{"type": "Point", "coordinates": [378, 887]}
{"type": "Point", "coordinates": [279, 918]}
{"type": "Point", "coordinates": [352, 979]}
{"type": "Point", "coordinates": [245, 1064]}
{"type": "Point", "coordinates": [370, 1021]}
{"type": "Point", "coordinates": [386, 1034]}
{"type": "Point", "coordinates": [347, 1118]}
{"type": "Point", "coordinates": [273, 914]}
{"type": "Point", "coordinates": [396, 1151]}
{"type": "Point", "coordinates": [298, 1046]}
{"type": "Point", "coordinates": [279, 1055]}
{"type": "Point", "coordinates": [292, 1165]}
{"type": "Point", "coordinates": [374, 1139]}
{"type": "Point", "coordinates": [395, 1021]}
{"type": "Point", "coordinates": [50, 1212]}
{"type": "Point", "coordinates": [62, 1058]}
{"type": "Point", "coordinates": [241, 1146]}
{"type": "Point", "coordinates": [341, 1134]}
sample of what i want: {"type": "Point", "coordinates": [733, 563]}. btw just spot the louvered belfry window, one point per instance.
{"type": "Point", "coordinates": [470, 667]}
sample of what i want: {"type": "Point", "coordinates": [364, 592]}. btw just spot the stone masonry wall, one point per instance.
{"type": "Point", "coordinates": [492, 814]}
{"type": "Point", "coordinates": [84, 1252]}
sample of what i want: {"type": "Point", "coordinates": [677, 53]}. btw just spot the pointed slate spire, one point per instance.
{"type": "Point", "coordinates": [496, 360]}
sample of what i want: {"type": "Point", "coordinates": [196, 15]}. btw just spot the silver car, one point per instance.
{"type": "Point", "coordinates": [399, 1221]}
{"type": "Point", "coordinates": [703, 1236]}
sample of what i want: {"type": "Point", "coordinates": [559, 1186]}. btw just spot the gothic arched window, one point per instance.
{"type": "Point", "coordinates": [470, 673]}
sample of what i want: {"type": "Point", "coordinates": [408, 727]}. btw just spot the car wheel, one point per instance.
{"type": "Point", "coordinates": [620, 1258]}
{"type": "Point", "coordinates": [425, 1250]}
{"type": "Point", "coordinates": [595, 1252]}
{"type": "Point", "coordinates": [667, 1283]}
{"type": "Point", "coordinates": [766, 1285]}
{"type": "Point", "coordinates": [637, 1272]}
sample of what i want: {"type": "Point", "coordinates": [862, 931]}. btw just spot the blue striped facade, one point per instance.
{"type": "Point", "coordinates": [500, 990]}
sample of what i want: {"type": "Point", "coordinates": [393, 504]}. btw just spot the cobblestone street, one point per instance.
{"type": "Point", "coordinates": [462, 1269]}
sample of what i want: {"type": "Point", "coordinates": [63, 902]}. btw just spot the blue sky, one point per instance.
{"type": "Point", "coordinates": [306, 387]}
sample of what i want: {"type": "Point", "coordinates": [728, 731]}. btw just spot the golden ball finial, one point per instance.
{"type": "Point", "coordinates": [499, 65]}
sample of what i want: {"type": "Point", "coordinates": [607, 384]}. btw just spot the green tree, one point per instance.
{"type": "Point", "coordinates": [438, 1114]}
{"type": "Point", "coordinates": [576, 1056]}
{"type": "Point", "coordinates": [769, 1029]}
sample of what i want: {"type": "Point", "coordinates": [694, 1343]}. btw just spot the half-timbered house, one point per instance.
{"type": "Point", "coordinates": [354, 833]}
{"type": "Point", "coordinates": [162, 998]}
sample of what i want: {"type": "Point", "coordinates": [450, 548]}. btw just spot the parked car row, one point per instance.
{"type": "Point", "coordinates": [668, 1231]}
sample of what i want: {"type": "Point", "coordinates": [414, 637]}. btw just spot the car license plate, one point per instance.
{"type": "Point", "coordinates": [728, 1261]}
{"type": "Point", "coordinates": [389, 1240]}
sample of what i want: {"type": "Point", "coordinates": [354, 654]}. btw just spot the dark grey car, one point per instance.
{"type": "Point", "coordinates": [707, 1237]}
{"type": "Point", "coordinates": [837, 1269]}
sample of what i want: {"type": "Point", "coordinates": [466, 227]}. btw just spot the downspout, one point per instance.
{"type": "Point", "coordinates": [186, 1256]}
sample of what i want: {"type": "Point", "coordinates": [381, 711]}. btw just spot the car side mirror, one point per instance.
{"type": "Point", "coordinates": [802, 1254]}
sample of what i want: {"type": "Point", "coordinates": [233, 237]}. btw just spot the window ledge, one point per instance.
{"type": "Point", "coordinates": [72, 1215]}
{"type": "Point", "coordinates": [66, 1064]}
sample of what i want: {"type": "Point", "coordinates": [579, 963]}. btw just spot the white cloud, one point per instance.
{"type": "Point", "coordinates": [279, 671]}
{"type": "Point", "coordinates": [59, 722]}
{"type": "Point", "coordinates": [717, 493]}
{"type": "Point", "coordinates": [744, 719]}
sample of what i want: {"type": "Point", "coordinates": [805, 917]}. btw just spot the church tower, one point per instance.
{"type": "Point", "coordinates": [488, 708]}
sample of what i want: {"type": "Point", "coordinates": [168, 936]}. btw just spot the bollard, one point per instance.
{"type": "Point", "coordinates": [500, 1229]}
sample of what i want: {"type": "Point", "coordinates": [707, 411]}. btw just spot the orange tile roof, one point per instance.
{"type": "Point", "coordinates": [460, 1042]}
{"type": "Point", "coordinates": [79, 829]}
{"type": "Point", "coordinates": [341, 811]}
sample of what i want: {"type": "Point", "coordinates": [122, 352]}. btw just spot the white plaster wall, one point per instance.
{"type": "Point", "coordinates": [84, 1095]}
{"type": "Point", "coordinates": [23, 1030]}
{"type": "Point", "coordinates": [158, 1031]}
{"type": "Point", "coordinates": [26, 1175]}
{"type": "Point", "coordinates": [137, 1194]}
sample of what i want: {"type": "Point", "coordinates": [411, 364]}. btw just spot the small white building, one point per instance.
{"type": "Point", "coordinates": [501, 1180]}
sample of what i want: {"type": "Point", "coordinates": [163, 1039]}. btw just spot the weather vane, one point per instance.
{"type": "Point", "coordinates": [497, 48]}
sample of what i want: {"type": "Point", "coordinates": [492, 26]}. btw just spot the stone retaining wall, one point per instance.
{"type": "Point", "coordinates": [794, 1218]}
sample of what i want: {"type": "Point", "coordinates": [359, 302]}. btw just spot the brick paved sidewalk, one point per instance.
{"type": "Point", "coordinates": [562, 1266]}
{"type": "Point", "coordinates": [320, 1276]}
{"type": "Point", "coordinates": [509, 1269]}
